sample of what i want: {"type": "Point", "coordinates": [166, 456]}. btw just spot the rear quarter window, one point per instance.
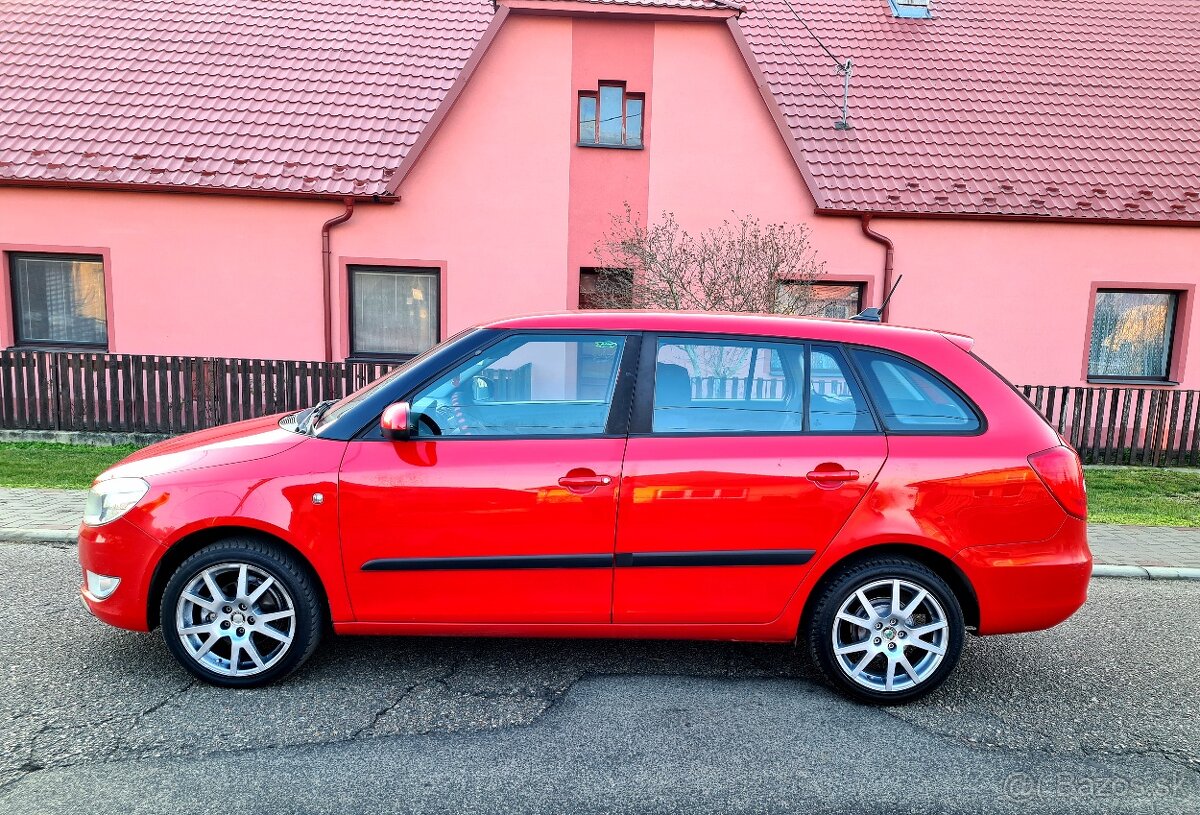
{"type": "Point", "coordinates": [913, 399]}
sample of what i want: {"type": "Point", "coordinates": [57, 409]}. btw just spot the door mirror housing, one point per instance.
{"type": "Point", "coordinates": [396, 422]}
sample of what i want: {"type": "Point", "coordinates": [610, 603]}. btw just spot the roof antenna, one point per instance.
{"type": "Point", "coordinates": [875, 315]}
{"type": "Point", "coordinates": [846, 69]}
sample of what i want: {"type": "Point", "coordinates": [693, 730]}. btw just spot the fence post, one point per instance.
{"type": "Point", "coordinates": [56, 380]}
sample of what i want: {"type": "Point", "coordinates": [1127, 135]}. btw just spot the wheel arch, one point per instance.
{"type": "Point", "coordinates": [192, 543]}
{"type": "Point", "coordinates": [938, 563]}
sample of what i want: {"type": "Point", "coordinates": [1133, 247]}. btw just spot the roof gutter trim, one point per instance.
{"type": "Point", "coordinates": [188, 189]}
{"type": "Point", "coordinates": [996, 216]}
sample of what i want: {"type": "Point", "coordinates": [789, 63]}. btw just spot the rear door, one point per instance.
{"type": "Point", "coordinates": [746, 458]}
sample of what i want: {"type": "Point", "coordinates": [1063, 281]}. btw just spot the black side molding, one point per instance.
{"type": "Point", "coordinates": [431, 564]}
{"type": "Point", "coordinates": [738, 557]}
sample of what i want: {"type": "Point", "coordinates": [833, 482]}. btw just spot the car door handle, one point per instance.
{"type": "Point", "coordinates": [584, 482]}
{"type": "Point", "coordinates": [832, 475]}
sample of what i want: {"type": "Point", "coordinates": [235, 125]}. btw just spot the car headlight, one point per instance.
{"type": "Point", "coordinates": [109, 500]}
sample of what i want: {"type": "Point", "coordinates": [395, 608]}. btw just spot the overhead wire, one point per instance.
{"type": "Point", "coordinates": [843, 66]}
{"type": "Point", "coordinates": [840, 64]}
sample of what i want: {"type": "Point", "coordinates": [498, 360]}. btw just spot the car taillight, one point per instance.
{"type": "Point", "coordinates": [1061, 472]}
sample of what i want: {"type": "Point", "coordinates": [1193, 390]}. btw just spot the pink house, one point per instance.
{"type": "Point", "coordinates": [314, 180]}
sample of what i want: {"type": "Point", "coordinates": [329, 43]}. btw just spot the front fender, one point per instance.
{"type": "Point", "coordinates": [292, 496]}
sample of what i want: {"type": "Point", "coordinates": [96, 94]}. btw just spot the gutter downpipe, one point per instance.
{"type": "Point", "coordinates": [888, 260]}
{"type": "Point", "coordinates": [326, 257]}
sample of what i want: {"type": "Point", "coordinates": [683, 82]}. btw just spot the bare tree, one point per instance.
{"type": "Point", "coordinates": [741, 265]}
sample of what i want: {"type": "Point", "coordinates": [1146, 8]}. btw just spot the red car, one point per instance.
{"type": "Point", "coordinates": [871, 492]}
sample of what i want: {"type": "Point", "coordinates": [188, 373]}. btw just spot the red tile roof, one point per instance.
{"type": "Point", "coordinates": [1084, 108]}
{"type": "Point", "coordinates": [302, 96]}
{"type": "Point", "coordinates": [1081, 108]}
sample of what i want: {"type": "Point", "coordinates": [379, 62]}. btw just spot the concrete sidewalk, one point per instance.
{"type": "Point", "coordinates": [1120, 551]}
{"type": "Point", "coordinates": [40, 515]}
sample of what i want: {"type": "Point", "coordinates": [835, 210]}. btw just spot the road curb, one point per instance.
{"type": "Point", "coordinates": [70, 536]}
{"type": "Point", "coordinates": [1101, 570]}
{"type": "Point", "coordinates": [39, 535]}
{"type": "Point", "coordinates": [1147, 572]}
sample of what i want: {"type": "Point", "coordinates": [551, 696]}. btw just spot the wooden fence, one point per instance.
{"type": "Point", "coordinates": [1157, 427]}
{"type": "Point", "coordinates": [128, 393]}
{"type": "Point", "coordinates": [124, 393]}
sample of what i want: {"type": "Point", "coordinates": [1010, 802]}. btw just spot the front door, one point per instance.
{"type": "Point", "coordinates": [502, 508]}
{"type": "Point", "coordinates": [752, 457]}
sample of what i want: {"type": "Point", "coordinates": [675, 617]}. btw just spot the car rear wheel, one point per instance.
{"type": "Point", "coordinates": [886, 631]}
{"type": "Point", "coordinates": [241, 613]}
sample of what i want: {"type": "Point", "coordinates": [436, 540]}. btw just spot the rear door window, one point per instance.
{"type": "Point", "coordinates": [716, 386]}
{"type": "Point", "coordinates": [835, 403]}
{"type": "Point", "coordinates": [911, 398]}
{"type": "Point", "coordinates": [728, 386]}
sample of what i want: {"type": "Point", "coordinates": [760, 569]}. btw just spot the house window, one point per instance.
{"type": "Point", "coordinates": [838, 300]}
{"type": "Point", "coordinates": [1132, 333]}
{"type": "Point", "coordinates": [611, 117]}
{"type": "Point", "coordinates": [605, 288]}
{"type": "Point", "coordinates": [394, 311]}
{"type": "Point", "coordinates": [59, 300]}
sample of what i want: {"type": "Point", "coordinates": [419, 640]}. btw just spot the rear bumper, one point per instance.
{"type": "Point", "coordinates": [1029, 586]}
{"type": "Point", "coordinates": [119, 549]}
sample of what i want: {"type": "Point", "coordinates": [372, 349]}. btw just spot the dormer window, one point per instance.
{"type": "Point", "coordinates": [611, 117]}
{"type": "Point", "coordinates": [911, 9]}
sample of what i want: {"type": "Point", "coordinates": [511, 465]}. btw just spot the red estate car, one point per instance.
{"type": "Point", "coordinates": [871, 492]}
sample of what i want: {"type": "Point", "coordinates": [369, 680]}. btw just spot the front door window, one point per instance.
{"type": "Point", "coordinates": [527, 385]}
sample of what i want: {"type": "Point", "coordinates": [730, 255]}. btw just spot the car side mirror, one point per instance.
{"type": "Point", "coordinates": [396, 422]}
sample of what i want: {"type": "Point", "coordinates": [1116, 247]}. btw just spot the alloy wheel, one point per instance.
{"type": "Point", "coordinates": [890, 635]}
{"type": "Point", "coordinates": [235, 619]}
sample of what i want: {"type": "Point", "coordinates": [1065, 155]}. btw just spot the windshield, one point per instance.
{"type": "Point", "coordinates": [346, 403]}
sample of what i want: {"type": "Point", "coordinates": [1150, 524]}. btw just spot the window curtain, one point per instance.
{"type": "Point", "coordinates": [394, 312]}
{"type": "Point", "coordinates": [60, 300]}
{"type": "Point", "coordinates": [1131, 334]}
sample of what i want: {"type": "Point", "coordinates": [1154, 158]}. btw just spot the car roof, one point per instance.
{"type": "Point", "coordinates": [704, 322]}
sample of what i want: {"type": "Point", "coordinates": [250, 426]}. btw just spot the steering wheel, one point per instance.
{"type": "Point", "coordinates": [428, 420]}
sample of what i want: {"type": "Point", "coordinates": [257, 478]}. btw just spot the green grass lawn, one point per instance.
{"type": "Point", "coordinates": [1143, 496]}
{"type": "Point", "coordinates": [40, 464]}
{"type": "Point", "coordinates": [1125, 495]}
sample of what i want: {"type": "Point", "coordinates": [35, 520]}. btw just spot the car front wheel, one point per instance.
{"type": "Point", "coordinates": [886, 631]}
{"type": "Point", "coordinates": [241, 613]}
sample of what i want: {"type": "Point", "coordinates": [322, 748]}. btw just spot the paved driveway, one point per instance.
{"type": "Point", "coordinates": [1097, 715]}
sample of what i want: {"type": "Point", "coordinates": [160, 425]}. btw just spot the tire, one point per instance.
{"type": "Point", "coordinates": [269, 613]}
{"type": "Point", "coordinates": [871, 666]}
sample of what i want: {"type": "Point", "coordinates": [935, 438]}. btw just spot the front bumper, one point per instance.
{"type": "Point", "coordinates": [122, 550]}
{"type": "Point", "coordinates": [1029, 586]}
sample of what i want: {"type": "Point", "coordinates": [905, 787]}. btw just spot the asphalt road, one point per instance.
{"type": "Point", "coordinates": [1099, 714]}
